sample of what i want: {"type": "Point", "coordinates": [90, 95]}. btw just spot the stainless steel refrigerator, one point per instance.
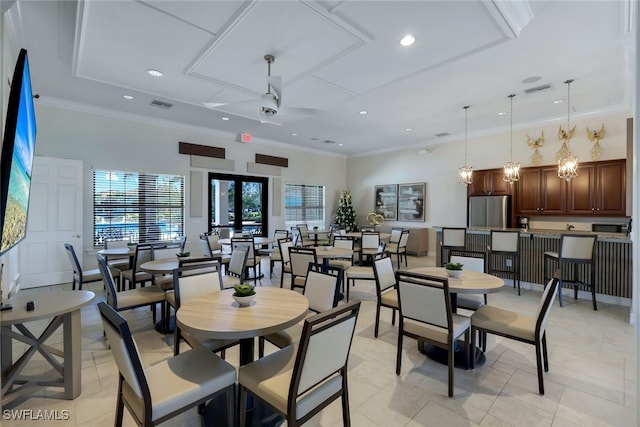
{"type": "Point", "coordinates": [490, 211]}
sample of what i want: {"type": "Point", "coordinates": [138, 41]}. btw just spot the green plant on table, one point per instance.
{"type": "Point", "coordinates": [244, 290]}
{"type": "Point", "coordinates": [453, 266]}
{"type": "Point", "coordinates": [183, 254]}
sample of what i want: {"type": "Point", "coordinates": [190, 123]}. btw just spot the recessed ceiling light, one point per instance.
{"type": "Point", "coordinates": [363, 112]}
{"type": "Point", "coordinates": [409, 129]}
{"type": "Point", "coordinates": [154, 73]}
{"type": "Point", "coordinates": [558, 101]}
{"type": "Point", "coordinates": [127, 97]}
{"type": "Point", "coordinates": [502, 113]}
{"type": "Point", "coordinates": [294, 134]}
{"type": "Point", "coordinates": [407, 40]}
{"type": "Point", "coordinates": [340, 145]}
{"type": "Point", "coordinates": [225, 118]}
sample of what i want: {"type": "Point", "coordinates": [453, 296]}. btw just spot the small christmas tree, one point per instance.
{"type": "Point", "coordinates": [346, 215]}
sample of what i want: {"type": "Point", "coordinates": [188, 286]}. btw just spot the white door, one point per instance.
{"type": "Point", "coordinates": [54, 218]}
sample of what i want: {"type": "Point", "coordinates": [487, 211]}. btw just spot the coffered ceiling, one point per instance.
{"type": "Point", "coordinates": [336, 59]}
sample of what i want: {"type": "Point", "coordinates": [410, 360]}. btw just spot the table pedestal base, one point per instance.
{"type": "Point", "coordinates": [440, 355]}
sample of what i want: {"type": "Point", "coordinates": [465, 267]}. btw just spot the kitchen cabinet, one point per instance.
{"type": "Point", "coordinates": [488, 182]}
{"type": "Point", "coordinates": [540, 192]}
{"type": "Point", "coordinates": [599, 189]}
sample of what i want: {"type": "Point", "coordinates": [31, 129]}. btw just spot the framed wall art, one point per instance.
{"type": "Point", "coordinates": [411, 202]}
{"type": "Point", "coordinates": [386, 201]}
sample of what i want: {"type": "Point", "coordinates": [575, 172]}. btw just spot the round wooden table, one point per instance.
{"type": "Point", "coordinates": [328, 252]}
{"type": "Point", "coordinates": [258, 241]}
{"type": "Point", "coordinates": [117, 252]}
{"type": "Point", "coordinates": [217, 315]}
{"type": "Point", "coordinates": [358, 235]}
{"type": "Point", "coordinates": [469, 282]}
{"type": "Point", "coordinates": [63, 307]}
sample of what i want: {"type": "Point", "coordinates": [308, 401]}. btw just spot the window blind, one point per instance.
{"type": "Point", "coordinates": [140, 207]}
{"type": "Point", "coordinates": [304, 203]}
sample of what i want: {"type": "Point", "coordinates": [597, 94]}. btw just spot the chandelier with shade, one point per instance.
{"type": "Point", "coordinates": [567, 161]}
{"type": "Point", "coordinates": [511, 168]}
{"type": "Point", "coordinates": [465, 173]}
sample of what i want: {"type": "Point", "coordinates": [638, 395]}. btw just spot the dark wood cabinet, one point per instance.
{"type": "Point", "coordinates": [540, 192]}
{"type": "Point", "coordinates": [599, 189]}
{"type": "Point", "coordinates": [488, 182]}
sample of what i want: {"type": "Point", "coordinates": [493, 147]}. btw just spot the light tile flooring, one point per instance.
{"type": "Point", "coordinates": [591, 381]}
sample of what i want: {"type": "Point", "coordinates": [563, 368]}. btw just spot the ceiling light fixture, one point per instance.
{"type": "Point", "coordinates": [409, 129]}
{"type": "Point", "coordinates": [363, 112]}
{"type": "Point", "coordinates": [225, 118]}
{"type": "Point", "coordinates": [465, 172]}
{"type": "Point", "coordinates": [154, 73]}
{"type": "Point", "coordinates": [511, 168]}
{"type": "Point", "coordinates": [294, 134]}
{"type": "Point", "coordinates": [407, 40]}
{"type": "Point", "coordinates": [127, 97]}
{"type": "Point", "coordinates": [567, 162]}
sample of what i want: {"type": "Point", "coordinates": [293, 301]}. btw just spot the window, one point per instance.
{"type": "Point", "coordinates": [304, 204]}
{"type": "Point", "coordinates": [141, 207]}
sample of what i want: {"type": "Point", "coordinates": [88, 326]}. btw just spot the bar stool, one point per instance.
{"type": "Point", "coordinates": [575, 250]}
{"type": "Point", "coordinates": [452, 238]}
{"type": "Point", "coordinates": [504, 247]}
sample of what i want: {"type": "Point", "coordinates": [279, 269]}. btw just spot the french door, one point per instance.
{"type": "Point", "coordinates": [238, 204]}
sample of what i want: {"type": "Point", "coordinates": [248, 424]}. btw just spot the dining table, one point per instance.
{"type": "Point", "coordinates": [118, 253]}
{"type": "Point", "coordinates": [358, 235]}
{"type": "Point", "coordinates": [468, 282]}
{"type": "Point", "coordinates": [218, 316]}
{"type": "Point", "coordinates": [60, 309]}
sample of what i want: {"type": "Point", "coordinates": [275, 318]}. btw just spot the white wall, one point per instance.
{"type": "Point", "coordinates": [136, 144]}
{"type": "Point", "coordinates": [445, 202]}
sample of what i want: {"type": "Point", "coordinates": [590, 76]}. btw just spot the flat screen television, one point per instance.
{"type": "Point", "coordinates": [16, 160]}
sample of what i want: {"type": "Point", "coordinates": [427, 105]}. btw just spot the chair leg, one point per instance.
{"type": "Point", "coordinates": [119, 407]}
{"type": "Point", "coordinates": [539, 366]}
{"type": "Point", "coordinates": [260, 347]}
{"type": "Point", "coordinates": [560, 292]}
{"type": "Point", "coordinates": [176, 340]}
{"type": "Point", "coordinates": [399, 353]}
{"type": "Point", "coordinates": [545, 358]}
{"type": "Point", "coordinates": [593, 287]}
{"type": "Point", "coordinates": [231, 405]}
{"type": "Point", "coordinates": [375, 330]}
{"type": "Point", "coordinates": [242, 407]}
{"type": "Point", "coordinates": [450, 354]}
{"type": "Point", "coordinates": [346, 416]}
{"type": "Point", "coordinates": [393, 317]}
{"type": "Point", "coordinates": [153, 310]}
{"type": "Point", "coordinates": [472, 355]}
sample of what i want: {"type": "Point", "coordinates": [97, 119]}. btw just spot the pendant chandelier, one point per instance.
{"type": "Point", "coordinates": [567, 162]}
{"type": "Point", "coordinates": [465, 172]}
{"type": "Point", "coordinates": [511, 168]}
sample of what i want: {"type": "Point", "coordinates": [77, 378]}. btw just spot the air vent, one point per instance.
{"type": "Point", "coordinates": [328, 141]}
{"type": "Point", "coordinates": [537, 89]}
{"type": "Point", "coordinates": [441, 134]}
{"type": "Point", "coordinates": [161, 104]}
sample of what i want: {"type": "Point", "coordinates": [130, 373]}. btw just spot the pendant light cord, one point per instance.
{"type": "Point", "coordinates": [568, 82]}
{"type": "Point", "coordinates": [511, 129]}
{"type": "Point", "coordinates": [466, 110]}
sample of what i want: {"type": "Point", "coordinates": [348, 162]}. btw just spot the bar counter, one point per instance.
{"type": "Point", "coordinates": [612, 256]}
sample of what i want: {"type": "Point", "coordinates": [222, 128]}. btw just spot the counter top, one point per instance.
{"type": "Point", "coordinates": [550, 233]}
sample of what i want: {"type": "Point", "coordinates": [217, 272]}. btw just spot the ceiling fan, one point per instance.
{"type": "Point", "coordinates": [269, 104]}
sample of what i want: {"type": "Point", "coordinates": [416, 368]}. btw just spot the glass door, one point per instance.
{"type": "Point", "coordinates": [238, 204]}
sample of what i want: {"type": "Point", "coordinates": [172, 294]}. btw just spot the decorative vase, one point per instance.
{"type": "Point", "coordinates": [454, 273]}
{"type": "Point", "coordinates": [244, 301]}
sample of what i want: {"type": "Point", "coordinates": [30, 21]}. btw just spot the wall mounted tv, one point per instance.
{"type": "Point", "coordinates": [16, 160]}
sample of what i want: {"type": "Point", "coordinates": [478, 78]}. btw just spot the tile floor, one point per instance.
{"type": "Point", "coordinates": [591, 381]}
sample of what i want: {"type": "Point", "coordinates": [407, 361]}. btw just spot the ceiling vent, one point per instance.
{"type": "Point", "coordinates": [441, 134]}
{"type": "Point", "coordinates": [161, 104]}
{"type": "Point", "coordinates": [328, 141]}
{"type": "Point", "coordinates": [537, 89]}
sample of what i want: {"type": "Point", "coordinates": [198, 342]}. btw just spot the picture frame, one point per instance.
{"type": "Point", "coordinates": [411, 202]}
{"type": "Point", "coordinates": [386, 201]}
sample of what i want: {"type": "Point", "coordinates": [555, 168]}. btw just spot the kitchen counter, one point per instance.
{"type": "Point", "coordinates": [613, 255]}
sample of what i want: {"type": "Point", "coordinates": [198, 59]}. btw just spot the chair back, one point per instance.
{"type": "Point", "coordinates": [300, 259]}
{"type": "Point", "coordinates": [544, 306]}
{"type": "Point", "coordinates": [244, 242]}
{"type": "Point", "coordinates": [164, 251]}
{"type": "Point", "coordinates": [321, 287]}
{"type": "Point", "coordinates": [384, 274]}
{"type": "Point", "coordinates": [75, 264]}
{"type": "Point", "coordinates": [404, 239]}
{"type": "Point", "coordinates": [302, 227]}
{"type": "Point", "coordinates": [284, 245]}
{"type": "Point", "coordinates": [238, 262]}
{"type": "Point", "coordinates": [395, 235]}
{"type": "Point", "coordinates": [454, 237]}
{"type": "Point", "coordinates": [323, 353]}
{"type": "Point", "coordinates": [120, 243]}
{"type": "Point", "coordinates": [125, 353]}
{"type": "Point", "coordinates": [192, 280]}
{"type": "Point", "coordinates": [280, 234]}
{"type": "Point", "coordinates": [343, 242]}
{"type": "Point", "coordinates": [205, 246]}
{"type": "Point", "coordinates": [470, 263]}
{"type": "Point", "coordinates": [505, 241]}
{"type": "Point", "coordinates": [107, 279]}
{"type": "Point", "coordinates": [577, 247]}
{"type": "Point", "coordinates": [143, 253]}
{"type": "Point", "coordinates": [214, 242]}
{"type": "Point", "coordinates": [370, 240]}
{"type": "Point", "coordinates": [424, 298]}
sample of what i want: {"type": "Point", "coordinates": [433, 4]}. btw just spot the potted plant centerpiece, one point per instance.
{"type": "Point", "coordinates": [183, 254]}
{"type": "Point", "coordinates": [243, 294]}
{"type": "Point", "coordinates": [454, 269]}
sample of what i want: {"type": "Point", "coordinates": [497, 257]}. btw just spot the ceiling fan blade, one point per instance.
{"type": "Point", "coordinates": [214, 104]}
{"type": "Point", "coordinates": [276, 84]}
{"type": "Point", "coordinates": [250, 103]}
